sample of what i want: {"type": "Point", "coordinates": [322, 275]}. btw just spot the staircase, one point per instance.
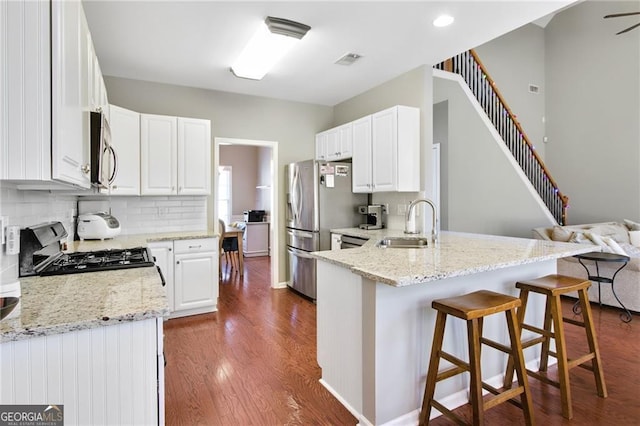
{"type": "Point", "coordinates": [469, 67]}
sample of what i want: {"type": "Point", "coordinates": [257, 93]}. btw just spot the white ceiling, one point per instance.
{"type": "Point", "coordinates": [193, 43]}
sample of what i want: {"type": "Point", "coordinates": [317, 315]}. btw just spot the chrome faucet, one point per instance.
{"type": "Point", "coordinates": [434, 228]}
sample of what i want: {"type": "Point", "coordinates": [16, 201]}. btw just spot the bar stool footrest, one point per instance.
{"type": "Point", "coordinates": [448, 413]}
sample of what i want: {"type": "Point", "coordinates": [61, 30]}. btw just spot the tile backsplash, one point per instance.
{"type": "Point", "coordinates": [143, 215]}
{"type": "Point", "coordinates": [137, 215]}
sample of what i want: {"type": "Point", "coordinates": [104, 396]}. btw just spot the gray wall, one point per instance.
{"type": "Point", "coordinates": [414, 89]}
{"type": "Point", "coordinates": [593, 111]}
{"type": "Point", "coordinates": [243, 160]}
{"type": "Point", "coordinates": [514, 61]}
{"type": "Point", "coordinates": [441, 136]}
{"type": "Point", "coordinates": [484, 194]}
{"type": "Point", "coordinates": [292, 124]}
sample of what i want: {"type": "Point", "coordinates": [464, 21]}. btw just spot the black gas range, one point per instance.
{"type": "Point", "coordinates": [104, 260]}
{"type": "Point", "coordinates": [41, 254]}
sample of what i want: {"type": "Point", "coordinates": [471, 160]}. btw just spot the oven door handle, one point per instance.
{"type": "Point", "coordinates": [164, 283]}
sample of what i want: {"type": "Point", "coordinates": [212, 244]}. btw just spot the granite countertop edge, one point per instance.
{"type": "Point", "coordinates": [35, 318]}
{"type": "Point", "coordinates": [398, 278]}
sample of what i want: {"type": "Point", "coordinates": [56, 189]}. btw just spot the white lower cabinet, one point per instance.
{"type": "Point", "coordinates": [255, 240]}
{"type": "Point", "coordinates": [190, 270]}
{"type": "Point", "coordinates": [104, 375]}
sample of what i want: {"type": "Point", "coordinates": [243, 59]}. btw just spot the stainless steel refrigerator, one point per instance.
{"type": "Point", "coordinates": [319, 198]}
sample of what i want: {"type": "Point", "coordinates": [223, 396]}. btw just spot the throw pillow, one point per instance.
{"type": "Point", "coordinates": [634, 238]}
{"type": "Point", "coordinates": [614, 247]}
{"type": "Point", "coordinates": [579, 238]}
{"type": "Point", "coordinates": [618, 232]}
{"type": "Point", "coordinates": [631, 251]}
{"type": "Point", "coordinates": [597, 240]}
{"type": "Point", "coordinates": [633, 226]}
{"type": "Point", "coordinates": [560, 234]}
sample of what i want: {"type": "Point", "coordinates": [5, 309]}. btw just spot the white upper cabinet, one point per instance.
{"type": "Point", "coordinates": [158, 151]}
{"type": "Point", "coordinates": [125, 139]}
{"type": "Point", "coordinates": [345, 141]}
{"type": "Point", "coordinates": [194, 156]}
{"type": "Point", "coordinates": [69, 98]}
{"type": "Point", "coordinates": [391, 160]}
{"type": "Point", "coordinates": [46, 75]}
{"type": "Point", "coordinates": [361, 163]}
{"type": "Point", "coordinates": [175, 155]}
{"type": "Point", "coordinates": [321, 146]}
{"type": "Point", "coordinates": [25, 88]}
{"type": "Point", "coordinates": [334, 144]}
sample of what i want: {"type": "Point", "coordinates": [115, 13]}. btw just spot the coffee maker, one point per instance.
{"type": "Point", "coordinates": [373, 216]}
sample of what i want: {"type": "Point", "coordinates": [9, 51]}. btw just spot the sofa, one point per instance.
{"type": "Point", "coordinates": [607, 236]}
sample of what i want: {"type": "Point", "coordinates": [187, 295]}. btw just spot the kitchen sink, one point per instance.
{"type": "Point", "coordinates": [403, 242]}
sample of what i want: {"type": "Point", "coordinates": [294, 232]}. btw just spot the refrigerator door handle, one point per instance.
{"type": "Point", "coordinates": [299, 253]}
{"type": "Point", "coordinates": [298, 194]}
{"type": "Point", "coordinates": [300, 234]}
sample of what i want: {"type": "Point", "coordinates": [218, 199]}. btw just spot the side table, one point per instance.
{"type": "Point", "coordinates": [599, 257]}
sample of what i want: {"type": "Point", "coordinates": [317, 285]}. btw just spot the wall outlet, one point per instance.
{"type": "Point", "coordinates": [162, 211]}
{"type": "Point", "coordinates": [385, 208]}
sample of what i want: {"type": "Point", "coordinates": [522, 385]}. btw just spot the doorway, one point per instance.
{"type": "Point", "coordinates": [266, 192]}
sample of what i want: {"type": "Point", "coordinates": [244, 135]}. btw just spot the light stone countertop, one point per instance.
{"type": "Point", "coordinates": [455, 254]}
{"type": "Point", "coordinates": [136, 240]}
{"type": "Point", "coordinates": [62, 303]}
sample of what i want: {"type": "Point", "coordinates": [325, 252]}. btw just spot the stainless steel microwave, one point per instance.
{"type": "Point", "coordinates": [104, 161]}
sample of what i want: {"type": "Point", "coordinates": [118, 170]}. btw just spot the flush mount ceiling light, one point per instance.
{"type": "Point", "coordinates": [443, 21]}
{"type": "Point", "coordinates": [268, 45]}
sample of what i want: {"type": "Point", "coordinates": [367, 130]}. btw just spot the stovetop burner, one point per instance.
{"type": "Point", "coordinates": [105, 260]}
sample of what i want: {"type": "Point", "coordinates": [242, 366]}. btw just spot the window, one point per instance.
{"type": "Point", "coordinates": [224, 193]}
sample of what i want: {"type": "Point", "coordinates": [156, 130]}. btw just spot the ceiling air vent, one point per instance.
{"type": "Point", "coordinates": [348, 59]}
{"type": "Point", "coordinates": [534, 89]}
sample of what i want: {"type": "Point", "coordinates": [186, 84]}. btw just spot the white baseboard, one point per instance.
{"type": "Point", "coordinates": [453, 401]}
{"type": "Point", "coordinates": [282, 284]}
{"type": "Point", "coordinates": [342, 401]}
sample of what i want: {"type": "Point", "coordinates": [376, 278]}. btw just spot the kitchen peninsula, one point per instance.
{"type": "Point", "coordinates": [375, 321]}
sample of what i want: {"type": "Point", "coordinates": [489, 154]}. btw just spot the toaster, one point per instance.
{"type": "Point", "coordinates": [97, 226]}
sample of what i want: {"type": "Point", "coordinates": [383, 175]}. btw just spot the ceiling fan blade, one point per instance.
{"type": "Point", "coordinates": [629, 29]}
{"type": "Point", "coordinates": [615, 15]}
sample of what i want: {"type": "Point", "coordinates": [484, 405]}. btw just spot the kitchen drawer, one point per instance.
{"type": "Point", "coordinates": [195, 246]}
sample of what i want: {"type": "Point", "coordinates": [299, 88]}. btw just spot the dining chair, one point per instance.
{"type": "Point", "coordinates": [228, 248]}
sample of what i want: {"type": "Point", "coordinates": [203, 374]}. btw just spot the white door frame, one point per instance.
{"type": "Point", "coordinates": [274, 242]}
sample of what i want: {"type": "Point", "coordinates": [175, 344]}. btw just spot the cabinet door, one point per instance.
{"type": "Point", "coordinates": [70, 119]}
{"type": "Point", "coordinates": [125, 138]}
{"type": "Point", "coordinates": [196, 283]}
{"type": "Point", "coordinates": [345, 141]}
{"type": "Point", "coordinates": [361, 162]}
{"type": "Point", "coordinates": [25, 88]}
{"type": "Point", "coordinates": [384, 151]}
{"type": "Point", "coordinates": [321, 146]}
{"type": "Point", "coordinates": [194, 156]}
{"type": "Point", "coordinates": [332, 145]}
{"type": "Point", "coordinates": [158, 149]}
{"type": "Point", "coordinates": [256, 240]}
{"type": "Point", "coordinates": [163, 256]}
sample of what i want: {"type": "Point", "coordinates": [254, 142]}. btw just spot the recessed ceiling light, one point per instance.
{"type": "Point", "coordinates": [269, 44]}
{"type": "Point", "coordinates": [443, 21]}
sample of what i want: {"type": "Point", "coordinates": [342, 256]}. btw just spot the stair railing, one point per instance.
{"type": "Point", "coordinates": [469, 66]}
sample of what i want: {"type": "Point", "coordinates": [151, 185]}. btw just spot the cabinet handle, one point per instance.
{"type": "Point", "coordinates": [195, 246]}
{"type": "Point", "coordinates": [170, 249]}
{"type": "Point", "coordinates": [177, 262]}
{"type": "Point", "coordinates": [85, 168]}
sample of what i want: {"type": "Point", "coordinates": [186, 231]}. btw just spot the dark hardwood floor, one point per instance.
{"type": "Point", "coordinates": [254, 363]}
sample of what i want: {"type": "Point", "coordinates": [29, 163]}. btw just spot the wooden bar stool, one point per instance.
{"type": "Point", "coordinates": [473, 308]}
{"type": "Point", "coordinates": [553, 286]}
